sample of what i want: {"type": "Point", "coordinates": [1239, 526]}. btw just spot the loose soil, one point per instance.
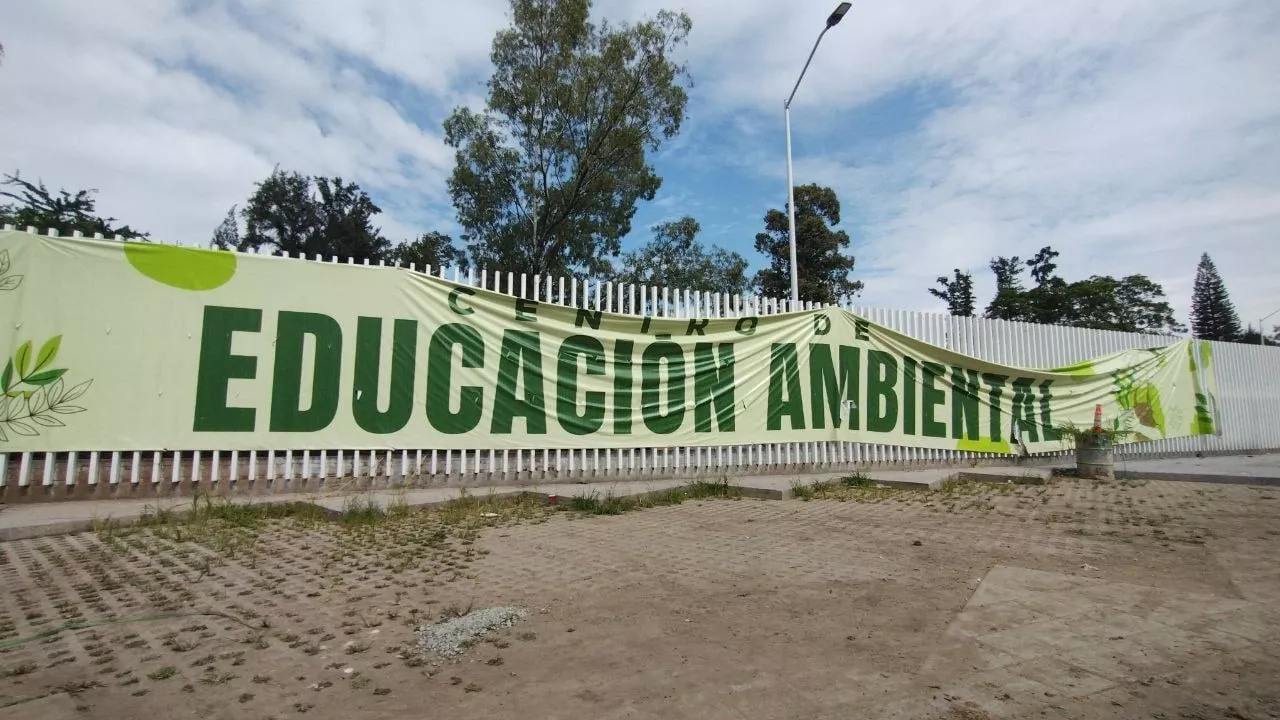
{"type": "Point", "coordinates": [1074, 599]}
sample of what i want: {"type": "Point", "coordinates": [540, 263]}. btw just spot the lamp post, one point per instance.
{"type": "Point", "coordinates": [1262, 337]}
{"type": "Point", "coordinates": [834, 19]}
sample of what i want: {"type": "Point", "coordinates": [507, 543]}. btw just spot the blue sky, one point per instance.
{"type": "Point", "coordinates": [1131, 135]}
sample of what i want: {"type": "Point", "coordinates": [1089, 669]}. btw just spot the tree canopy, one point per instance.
{"type": "Point", "coordinates": [1213, 316]}
{"type": "Point", "coordinates": [1133, 303]}
{"type": "Point", "coordinates": [956, 292]}
{"type": "Point", "coordinates": [293, 214]}
{"type": "Point", "coordinates": [547, 177]}
{"type": "Point", "coordinates": [824, 267]}
{"type": "Point", "coordinates": [433, 249]}
{"type": "Point", "coordinates": [675, 258]}
{"type": "Point", "coordinates": [65, 211]}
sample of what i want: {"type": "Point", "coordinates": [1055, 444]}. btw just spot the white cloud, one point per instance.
{"type": "Point", "coordinates": [1130, 134]}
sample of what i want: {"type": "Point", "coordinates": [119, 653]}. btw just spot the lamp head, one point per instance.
{"type": "Point", "coordinates": [838, 14]}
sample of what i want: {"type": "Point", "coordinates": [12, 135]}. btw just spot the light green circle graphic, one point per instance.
{"type": "Point", "coordinates": [185, 268]}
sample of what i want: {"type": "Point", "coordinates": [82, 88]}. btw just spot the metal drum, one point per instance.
{"type": "Point", "coordinates": [1095, 457]}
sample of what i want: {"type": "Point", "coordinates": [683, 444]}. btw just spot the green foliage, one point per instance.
{"type": "Point", "coordinates": [824, 268]}
{"type": "Point", "coordinates": [1251, 336]}
{"type": "Point", "coordinates": [227, 234]}
{"type": "Point", "coordinates": [548, 176]}
{"type": "Point", "coordinates": [32, 393]}
{"type": "Point", "coordinates": [802, 490]}
{"type": "Point", "coordinates": [293, 214]}
{"type": "Point", "coordinates": [675, 258]}
{"type": "Point", "coordinates": [63, 211]}
{"type": "Point", "coordinates": [1130, 304]}
{"type": "Point", "coordinates": [433, 249]}
{"type": "Point", "coordinates": [956, 292]}
{"type": "Point", "coordinates": [1070, 432]}
{"type": "Point", "coordinates": [857, 480]}
{"type": "Point", "coordinates": [1213, 316]}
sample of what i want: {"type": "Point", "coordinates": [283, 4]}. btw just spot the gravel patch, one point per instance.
{"type": "Point", "coordinates": [451, 637]}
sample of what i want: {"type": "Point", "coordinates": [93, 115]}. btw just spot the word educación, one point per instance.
{"type": "Point", "coordinates": [613, 386]}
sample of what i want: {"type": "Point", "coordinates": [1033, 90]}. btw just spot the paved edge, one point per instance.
{"type": "Point", "coordinates": [1269, 481]}
{"type": "Point", "coordinates": [899, 479]}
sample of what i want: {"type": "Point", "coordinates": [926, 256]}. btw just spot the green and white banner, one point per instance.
{"type": "Point", "coordinates": [142, 346]}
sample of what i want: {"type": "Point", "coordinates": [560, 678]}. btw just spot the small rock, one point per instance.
{"type": "Point", "coordinates": [916, 543]}
{"type": "Point", "coordinates": [1088, 567]}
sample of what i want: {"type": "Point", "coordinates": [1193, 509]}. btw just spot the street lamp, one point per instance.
{"type": "Point", "coordinates": [834, 19]}
{"type": "Point", "coordinates": [1262, 337]}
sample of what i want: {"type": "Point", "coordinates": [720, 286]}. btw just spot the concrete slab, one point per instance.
{"type": "Point", "coordinates": [57, 518]}
{"type": "Point", "coordinates": [1234, 469]}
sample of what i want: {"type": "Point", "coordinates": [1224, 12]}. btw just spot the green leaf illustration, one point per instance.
{"type": "Point", "coordinates": [4, 437]}
{"type": "Point", "coordinates": [23, 428]}
{"type": "Point", "coordinates": [55, 391]}
{"type": "Point", "coordinates": [10, 283]}
{"type": "Point", "coordinates": [47, 352]}
{"type": "Point", "coordinates": [37, 401]}
{"type": "Point", "coordinates": [6, 379]}
{"type": "Point", "coordinates": [4, 262]}
{"type": "Point", "coordinates": [68, 409]}
{"type": "Point", "coordinates": [76, 391]}
{"type": "Point", "coordinates": [48, 421]}
{"type": "Point", "coordinates": [46, 377]}
{"type": "Point", "coordinates": [22, 359]}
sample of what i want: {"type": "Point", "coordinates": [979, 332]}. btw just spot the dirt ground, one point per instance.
{"type": "Point", "coordinates": [1075, 599]}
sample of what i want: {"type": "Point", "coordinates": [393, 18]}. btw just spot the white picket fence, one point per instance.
{"type": "Point", "coordinates": [1248, 396]}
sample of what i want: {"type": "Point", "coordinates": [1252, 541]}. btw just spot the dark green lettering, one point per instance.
{"type": "Point", "coordinates": [287, 414]}
{"type": "Point", "coordinates": [697, 326]}
{"type": "Point", "coordinates": [218, 367]}
{"type": "Point", "coordinates": [713, 385]}
{"type": "Point", "coordinates": [784, 387]}
{"type": "Point", "coordinates": [1046, 417]}
{"type": "Point", "coordinates": [453, 300]}
{"type": "Point", "coordinates": [861, 329]}
{"type": "Point", "coordinates": [746, 325]}
{"type": "Point", "coordinates": [882, 376]}
{"type": "Point", "coordinates": [589, 317]}
{"type": "Point", "coordinates": [909, 396]}
{"type": "Point", "coordinates": [440, 375]}
{"type": "Point", "coordinates": [526, 311]}
{"type": "Point", "coordinates": [520, 361]}
{"type": "Point", "coordinates": [364, 392]}
{"type": "Point", "coordinates": [1024, 410]}
{"type": "Point", "coordinates": [651, 387]}
{"type": "Point", "coordinates": [930, 398]}
{"type": "Point", "coordinates": [592, 416]}
{"type": "Point", "coordinates": [995, 389]}
{"type": "Point", "coordinates": [828, 391]}
{"type": "Point", "coordinates": [623, 382]}
{"type": "Point", "coordinates": [964, 404]}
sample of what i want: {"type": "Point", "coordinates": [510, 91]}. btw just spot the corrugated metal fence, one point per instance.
{"type": "Point", "coordinates": [1248, 385]}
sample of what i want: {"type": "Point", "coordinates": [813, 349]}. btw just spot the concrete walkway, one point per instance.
{"type": "Point", "coordinates": [1242, 469]}
{"type": "Point", "coordinates": [55, 518]}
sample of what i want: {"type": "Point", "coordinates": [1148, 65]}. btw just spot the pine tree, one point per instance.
{"type": "Point", "coordinates": [1213, 317]}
